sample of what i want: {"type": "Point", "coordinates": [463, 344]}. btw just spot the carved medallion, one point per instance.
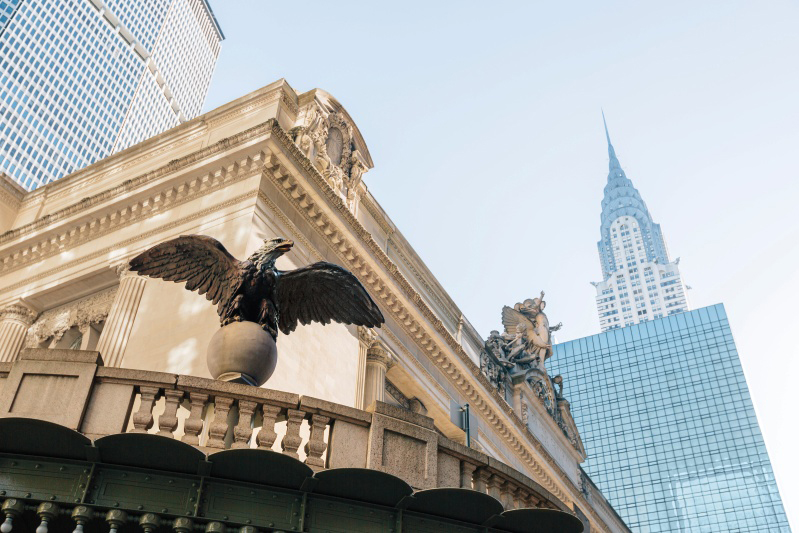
{"type": "Point", "coordinates": [335, 145]}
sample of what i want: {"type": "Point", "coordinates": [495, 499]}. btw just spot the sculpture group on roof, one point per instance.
{"type": "Point", "coordinates": [519, 355]}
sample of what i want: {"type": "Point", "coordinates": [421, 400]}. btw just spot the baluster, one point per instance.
{"type": "Point", "coordinates": [531, 501]}
{"type": "Point", "coordinates": [194, 424]}
{"type": "Point", "coordinates": [467, 474]}
{"type": "Point", "coordinates": [12, 508]}
{"type": "Point", "coordinates": [243, 430]}
{"type": "Point", "coordinates": [494, 483]}
{"type": "Point", "coordinates": [522, 496]}
{"type": "Point", "coordinates": [518, 499]}
{"type": "Point", "coordinates": [266, 437]}
{"type": "Point", "coordinates": [168, 422]}
{"type": "Point", "coordinates": [316, 445]}
{"type": "Point", "coordinates": [481, 481]}
{"type": "Point", "coordinates": [292, 440]}
{"type": "Point", "coordinates": [506, 491]}
{"type": "Point", "coordinates": [143, 419]}
{"type": "Point", "coordinates": [218, 429]}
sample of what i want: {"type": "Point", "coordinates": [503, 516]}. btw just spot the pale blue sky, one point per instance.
{"type": "Point", "coordinates": [484, 124]}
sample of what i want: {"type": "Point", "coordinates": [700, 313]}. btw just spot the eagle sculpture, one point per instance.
{"type": "Point", "coordinates": [255, 291]}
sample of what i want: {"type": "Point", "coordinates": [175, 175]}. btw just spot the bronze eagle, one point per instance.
{"type": "Point", "coordinates": [255, 291]}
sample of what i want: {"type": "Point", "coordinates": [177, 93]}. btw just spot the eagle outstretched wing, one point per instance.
{"type": "Point", "coordinates": [202, 262]}
{"type": "Point", "coordinates": [512, 318]}
{"type": "Point", "coordinates": [324, 292]}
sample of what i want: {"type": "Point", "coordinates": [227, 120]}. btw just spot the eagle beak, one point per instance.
{"type": "Point", "coordinates": [285, 246]}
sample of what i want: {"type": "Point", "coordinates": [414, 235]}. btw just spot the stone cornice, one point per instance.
{"type": "Point", "coordinates": [377, 213]}
{"type": "Point", "coordinates": [341, 244]}
{"type": "Point", "coordinates": [131, 242]}
{"type": "Point", "coordinates": [162, 143]}
{"type": "Point", "coordinates": [11, 193]}
{"type": "Point", "coordinates": [296, 234]}
{"type": "Point", "coordinates": [434, 293]}
{"type": "Point", "coordinates": [136, 183]}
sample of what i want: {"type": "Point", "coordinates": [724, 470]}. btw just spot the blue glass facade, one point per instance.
{"type": "Point", "coordinates": [666, 418]}
{"type": "Point", "coordinates": [80, 79]}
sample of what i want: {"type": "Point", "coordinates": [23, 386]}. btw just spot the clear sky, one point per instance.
{"type": "Point", "coordinates": [483, 120]}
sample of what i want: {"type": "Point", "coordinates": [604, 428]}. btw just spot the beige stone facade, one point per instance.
{"type": "Point", "coordinates": [273, 163]}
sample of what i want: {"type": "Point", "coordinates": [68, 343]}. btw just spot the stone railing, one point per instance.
{"type": "Point", "coordinates": [73, 389]}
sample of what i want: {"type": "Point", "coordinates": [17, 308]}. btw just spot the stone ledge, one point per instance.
{"type": "Point", "coordinates": [352, 415]}
{"type": "Point", "coordinates": [62, 356]}
{"type": "Point", "coordinates": [456, 449]}
{"type": "Point", "coordinates": [237, 391]}
{"type": "Point", "coordinates": [127, 376]}
{"type": "Point", "coordinates": [382, 408]}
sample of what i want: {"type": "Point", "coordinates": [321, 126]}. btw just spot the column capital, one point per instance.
{"type": "Point", "coordinates": [19, 311]}
{"type": "Point", "coordinates": [123, 271]}
{"type": "Point", "coordinates": [378, 354]}
{"type": "Point", "coordinates": [366, 336]}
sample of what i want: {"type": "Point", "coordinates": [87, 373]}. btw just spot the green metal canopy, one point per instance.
{"type": "Point", "coordinates": [149, 451]}
{"type": "Point", "coordinates": [55, 477]}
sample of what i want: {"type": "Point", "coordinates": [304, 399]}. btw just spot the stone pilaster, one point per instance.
{"type": "Point", "coordinates": [365, 339]}
{"type": "Point", "coordinates": [15, 319]}
{"type": "Point", "coordinates": [377, 361]}
{"type": "Point", "coordinates": [119, 323]}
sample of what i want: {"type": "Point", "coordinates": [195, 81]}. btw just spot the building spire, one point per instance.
{"type": "Point", "coordinates": [614, 161]}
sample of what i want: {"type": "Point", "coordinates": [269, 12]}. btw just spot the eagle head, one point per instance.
{"type": "Point", "coordinates": [271, 249]}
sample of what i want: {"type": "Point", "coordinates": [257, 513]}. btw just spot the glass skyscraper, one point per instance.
{"type": "Point", "coordinates": [81, 79]}
{"type": "Point", "coordinates": [666, 417]}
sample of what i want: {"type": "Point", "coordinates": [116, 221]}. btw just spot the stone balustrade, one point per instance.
{"type": "Point", "coordinates": [73, 389]}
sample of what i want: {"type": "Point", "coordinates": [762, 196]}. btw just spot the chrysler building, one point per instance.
{"type": "Point", "coordinates": [639, 281]}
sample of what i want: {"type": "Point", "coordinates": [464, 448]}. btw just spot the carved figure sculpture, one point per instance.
{"type": "Point", "coordinates": [255, 291]}
{"type": "Point", "coordinates": [558, 380]}
{"type": "Point", "coordinates": [530, 316]}
{"type": "Point", "coordinates": [496, 345]}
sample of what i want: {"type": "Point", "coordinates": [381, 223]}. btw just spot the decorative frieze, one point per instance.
{"type": "Point", "coordinates": [83, 313]}
{"type": "Point", "coordinates": [395, 393]}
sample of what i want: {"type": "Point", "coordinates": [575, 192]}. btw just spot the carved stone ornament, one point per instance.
{"type": "Point", "coordinates": [520, 352]}
{"type": "Point", "coordinates": [82, 313]}
{"type": "Point", "coordinates": [378, 354]}
{"type": "Point", "coordinates": [366, 336]}
{"type": "Point", "coordinates": [327, 139]}
{"type": "Point", "coordinates": [395, 393]}
{"type": "Point", "coordinates": [18, 312]}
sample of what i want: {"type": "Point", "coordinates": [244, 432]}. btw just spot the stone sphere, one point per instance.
{"type": "Point", "coordinates": [242, 352]}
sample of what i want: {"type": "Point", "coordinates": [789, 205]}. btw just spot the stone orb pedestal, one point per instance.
{"type": "Point", "coordinates": [242, 352]}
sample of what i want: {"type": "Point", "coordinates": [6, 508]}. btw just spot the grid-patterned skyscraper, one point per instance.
{"type": "Point", "coordinates": [639, 282]}
{"type": "Point", "coordinates": [666, 417]}
{"type": "Point", "coordinates": [81, 79]}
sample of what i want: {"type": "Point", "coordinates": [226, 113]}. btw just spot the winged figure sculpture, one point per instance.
{"type": "Point", "coordinates": [254, 290]}
{"type": "Point", "coordinates": [528, 322]}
